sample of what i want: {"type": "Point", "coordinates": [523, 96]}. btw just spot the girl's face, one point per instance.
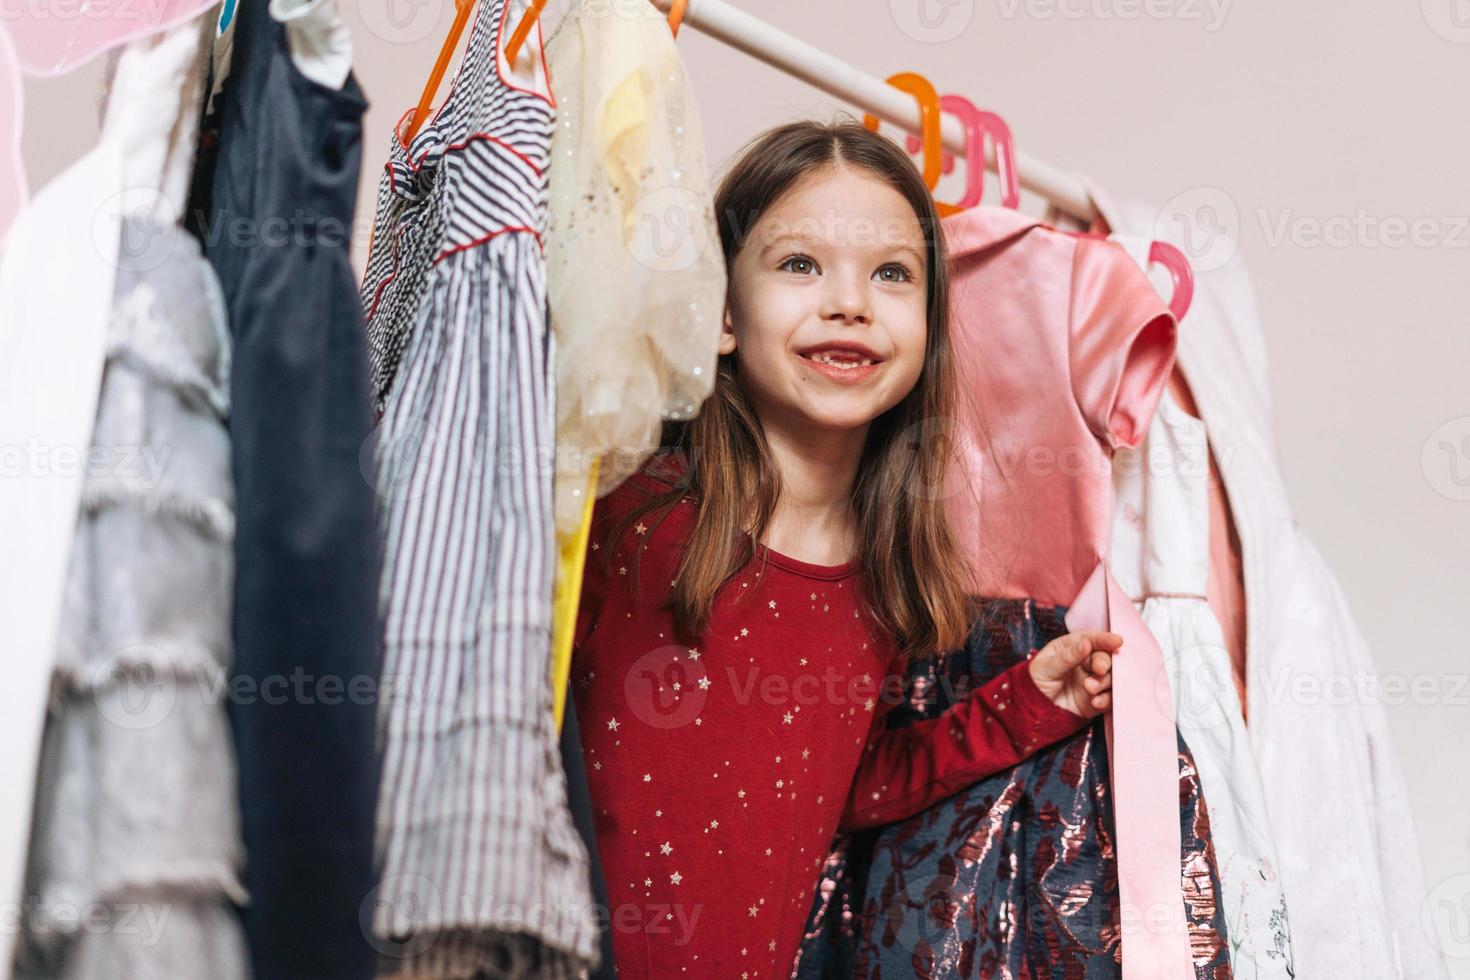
{"type": "Point", "coordinates": [832, 275]}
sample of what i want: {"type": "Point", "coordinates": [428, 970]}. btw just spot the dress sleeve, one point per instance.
{"type": "Point", "coordinates": [1122, 340]}
{"type": "Point", "coordinates": [906, 770]}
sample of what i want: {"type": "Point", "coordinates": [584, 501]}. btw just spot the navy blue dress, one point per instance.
{"type": "Point", "coordinates": [274, 198]}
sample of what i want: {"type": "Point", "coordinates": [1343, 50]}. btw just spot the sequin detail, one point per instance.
{"type": "Point", "coordinates": [1016, 876]}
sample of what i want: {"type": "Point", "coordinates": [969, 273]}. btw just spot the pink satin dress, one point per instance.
{"type": "Point", "coordinates": [1092, 858]}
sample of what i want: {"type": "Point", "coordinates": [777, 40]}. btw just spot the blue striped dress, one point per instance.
{"type": "Point", "coordinates": [483, 871]}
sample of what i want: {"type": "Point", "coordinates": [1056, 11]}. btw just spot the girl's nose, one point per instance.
{"type": "Point", "coordinates": [846, 299]}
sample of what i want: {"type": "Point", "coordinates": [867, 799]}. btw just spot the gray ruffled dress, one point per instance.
{"type": "Point", "coordinates": [133, 869]}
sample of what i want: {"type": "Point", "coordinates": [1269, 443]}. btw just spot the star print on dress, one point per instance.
{"type": "Point", "coordinates": [752, 677]}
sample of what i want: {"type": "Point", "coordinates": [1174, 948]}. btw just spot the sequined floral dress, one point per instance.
{"type": "Point", "coordinates": [1014, 877]}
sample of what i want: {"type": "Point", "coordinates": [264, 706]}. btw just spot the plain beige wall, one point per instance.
{"type": "Point", "coordinates": [1328, 128]}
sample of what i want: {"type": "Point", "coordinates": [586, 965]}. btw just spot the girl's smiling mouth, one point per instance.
{"type": "Point", "coordinates": [841, 368]}
{"type": "Point", "coordinates": [845, 361]}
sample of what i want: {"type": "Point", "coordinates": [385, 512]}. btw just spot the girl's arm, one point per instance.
{"type": "Point", "coordinates": [906, 770]}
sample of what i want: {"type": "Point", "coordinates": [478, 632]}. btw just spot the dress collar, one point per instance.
{"type": "Point", "coordinates": [983, 226]}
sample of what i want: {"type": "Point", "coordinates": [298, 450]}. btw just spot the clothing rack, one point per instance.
{"type": "Point", "coordinates": [722, 21]}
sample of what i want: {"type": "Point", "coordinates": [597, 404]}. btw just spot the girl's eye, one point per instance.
{"type": "Point", "coordinates": [799, 259]}
{"type": "Point", "coordinates": [902, 271]}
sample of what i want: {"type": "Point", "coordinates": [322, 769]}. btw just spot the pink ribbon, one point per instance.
{"type": "Point", "coordinates": [1144, 761]}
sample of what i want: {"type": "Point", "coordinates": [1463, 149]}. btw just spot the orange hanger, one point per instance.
{"type": "Point", "coordinates": [462, 11]}
{"type": "Point", "coordinates": [933, 160]}
{"type": "Point", "coordinates": [533, 14]}
{"type": "Point", "coordinates": [676, 15]}
{"type": "Point", "coordinates": [529, 18]}
{"type": "Point", "coordinates": [513, 48]}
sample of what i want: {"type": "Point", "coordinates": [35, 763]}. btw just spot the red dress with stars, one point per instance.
{"type": "Point", "coordinates": [719, 771]}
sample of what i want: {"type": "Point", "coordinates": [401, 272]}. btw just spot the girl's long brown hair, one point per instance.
{"type": "Point", "coordinates": [912, 574]}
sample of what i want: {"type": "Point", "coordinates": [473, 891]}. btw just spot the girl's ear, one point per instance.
{"type": "Point", "coordinates": [727, 333]}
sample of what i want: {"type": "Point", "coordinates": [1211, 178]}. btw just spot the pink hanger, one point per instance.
{"type": "Point", "coordinates": [1166, 255]}
{"type": "Point", "coordinates": [12, 174]}
{"type": "Point", "coordinates": [1173, 260]}
{"type": "Point", "coordinates": [977, 124]}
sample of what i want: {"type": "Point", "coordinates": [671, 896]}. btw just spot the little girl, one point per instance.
{"type": "Point", "coordinates": [754, 592]}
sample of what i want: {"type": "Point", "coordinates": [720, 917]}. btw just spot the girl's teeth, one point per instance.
{"type": "Point", "coordinates": [827, 359]}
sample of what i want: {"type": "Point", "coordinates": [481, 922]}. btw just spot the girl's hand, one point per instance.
{"type": "Point", "coordinates": [1075, 671]}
